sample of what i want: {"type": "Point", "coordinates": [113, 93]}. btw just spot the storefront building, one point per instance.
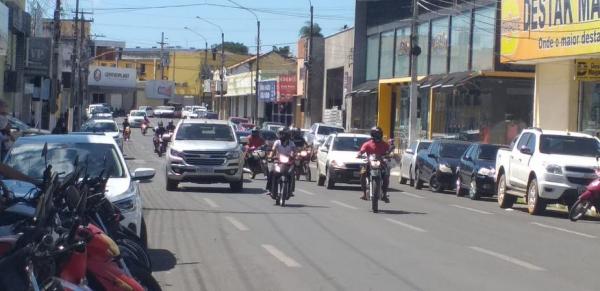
{"type": "Point", "coordinates": [563, 42]}
{"type": "Point", "coordinates": [464, 90]}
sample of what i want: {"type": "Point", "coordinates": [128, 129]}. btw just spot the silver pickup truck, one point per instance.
{"type": "Point", "coordinates": [544, 167]}
{"type": "Point", "coordinates": [205, 152]}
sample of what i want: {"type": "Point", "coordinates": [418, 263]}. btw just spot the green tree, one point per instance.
{"type": "Point", "coordinates": [305, 30]}
{"type": "Point", "coordinates": [284, 50]}
{"type": "Point", "coordinates": [234, 47]}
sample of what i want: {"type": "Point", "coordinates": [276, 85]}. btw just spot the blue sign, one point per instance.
{"type": "Point", "coordinates": [267, 91]}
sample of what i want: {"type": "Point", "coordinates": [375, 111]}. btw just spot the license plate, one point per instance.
{"type": "Point", "coordinates": [356, 174]}
{"type": "Point", "coordinates": [204, 170]}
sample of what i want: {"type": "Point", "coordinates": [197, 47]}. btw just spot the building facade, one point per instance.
{"type": "Point", "coordinates": [338, 73]}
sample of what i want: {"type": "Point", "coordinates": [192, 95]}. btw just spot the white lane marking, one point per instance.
{"type": "Point", "coordinates": [281, 256]}
{"type": "Point", "coordinates": [211, 203]}
{"type": "Point", "coordinates": [406, 225]}
{"type": "Point", "coordinates": [306, 192]}
{"type": "Point", "coordinates": [471, 209]}
{"type": "Point", "coordinates": [412, 195]}
{"type": "Point", "coordinates": [508, 259]}
{"type": "Point", "coordinates": [240, 226]}
{"type": "Point", "coordinates": [343, 204]}
{"type": "Point", "coordinates": [562, 229]}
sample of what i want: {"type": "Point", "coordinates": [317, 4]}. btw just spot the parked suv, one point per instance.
{"type": "Point", "coordinates": [437, 165]}
{"type": "Point", "coordinates": [204, 151]}
{"type": "Point", "coordinates": [546, 166]}
{"type": "Point", "coordinates": [319, 132]}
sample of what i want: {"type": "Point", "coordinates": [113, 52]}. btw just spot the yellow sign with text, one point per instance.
{"type": "Point", "coordinates": [588, 70]}
{"type": "Point", "coordinates": [542, 29]}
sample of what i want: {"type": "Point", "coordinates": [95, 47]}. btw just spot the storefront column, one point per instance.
{"type": "Point", "coordinates": [384, 112]}
{"type": "Point", "coordinates": [556, 96]}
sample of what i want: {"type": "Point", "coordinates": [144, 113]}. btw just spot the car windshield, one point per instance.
{"type": "Point", "coordinates": [101, 110]}
{"type": "Point", "coordinates": [138, 113]}
{"type": "Point", "coordinates": [488, 152]}
{"type": "Point", "coordinates": [99, 127]}
{"type": "Point", "coordinates": [268, 135]}
{"type": "Point", "coordinates": [27, 158]}
{"type": "Point", "coordinates": [199, 131]}
{"type": "Point", "coordinates": [327, 130]}
{"type": "Point", "coordinates": [452, 150]}
{"type": "Point", "coordinates": [569, 145]}
{"type": "Point", "coordinates": [165, 108]}
{"type": "Point", "coordinates": [349, 144]}
{"type": "Point", "coordinates": [423, 145]}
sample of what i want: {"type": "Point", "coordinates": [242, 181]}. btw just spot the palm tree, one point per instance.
{"type": "Point", "coordinates": [305, 30]}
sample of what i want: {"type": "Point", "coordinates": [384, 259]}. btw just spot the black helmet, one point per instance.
{"type": "Point", "coordinates": [160, 124]}
{"type": "Point", "coordinates": [284, 134]}
{"type": "Point", "coordinates": [255, 132]}
{"type": "Point", "coordinates": [377, 133]}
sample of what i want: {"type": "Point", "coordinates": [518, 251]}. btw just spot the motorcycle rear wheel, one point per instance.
{"type": "Point", "coordinates": [375, 188]}
{"type": "Point", "coordinates": [285, 187]}
{"type": "Point", "coordinates": [579, 209]}
{"type": "Point", "coordinates": [144, 277]}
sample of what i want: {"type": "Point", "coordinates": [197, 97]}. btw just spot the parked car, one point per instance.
{"type": "Point", "coordinates": [164, 111]}
{"type": "Point", "coordinates": [106, 126]}
{"type": "Point", "coordinates": [319, 131]}
{"type": "Point", "coordinates": [436, 166]}
{"type": "Point", "coordinates": [407, 169]}
{"type": "Point", "coordinates": [476, 171]}
{"type": "Point", "coordinates": [98, 152]}
{"type": "Point", "coordinates": [546, 166]}
{"type": "Point", "coordinates": [102, 112]}
{"type": "Point", "coordinates": [337, 161]}
{"type": "Point", "coordinates": [136, 118]}
{"type": "Point", "coordinates": [148, 109]}
{"type": "Point", "coordinates": [204, 152]}
{"type": "Point", "coordinates": [19, 128]}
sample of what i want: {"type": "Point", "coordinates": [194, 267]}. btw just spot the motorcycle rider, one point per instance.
{"type": "Point", "coordinates": [158, 132]}
{"type": "Point", "coordinates": [126, 124]}
{"type": "Point", "coordinates": [281, 146]}
{"type": "Point", "coordinates": [375, 146]}
{"type": "Point", "coordinates": [170, 126]}
{"type": "Point", "coordinates": [254, 142]}
{"type": "Point", "coordinates": [298, 138]}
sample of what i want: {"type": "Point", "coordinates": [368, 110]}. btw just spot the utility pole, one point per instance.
{"type": "Point", "coordinates": [74, 66]}
{"type": "Point", "coordinates": [55, 62]}
{"type": "Point", "coordinates": [162, 63]}
{"type": "Point", "coordinates": [222, 74]}
{"type": "Point", "coordinates": [81, 101]}
{"type": "Point", "coordinates": [255, 100]}
{"type": "Point", "coordinates": [308, 65]}
{"type": "Point", "coordinates": [415, 51]}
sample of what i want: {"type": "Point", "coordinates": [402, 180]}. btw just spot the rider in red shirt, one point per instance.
{"type": "Point", "coordinates": [255, 141]}
{"type": "Point", "coordinates": [378, 147]}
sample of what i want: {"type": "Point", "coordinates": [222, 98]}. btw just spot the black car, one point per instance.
{"type": "Point", "coordinates": [476, 170]}
{"type": "Point", "coordinates": [437, 165]}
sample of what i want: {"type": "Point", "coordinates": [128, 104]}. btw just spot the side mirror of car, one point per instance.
{"type": "Point", "coordinates": [525, 150]}
{"type": "Point", "coordinates": [143, 174]}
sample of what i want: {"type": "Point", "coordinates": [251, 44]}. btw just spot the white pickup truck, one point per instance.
{"type": "Point", "coordinates": [544, 166]}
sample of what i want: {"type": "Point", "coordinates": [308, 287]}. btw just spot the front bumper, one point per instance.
{"type": "Point", "coordinates": [446, 180]}
{"type": "Point", "coordinates": [345, 175]}
{"type": "Point", "coordinates": [559, 187]}
{"type": "Point", "coordinates": [485, 185]}
{"type": "Point", "coordinates": [132, 219]}
{"type": "Point", "coordinates": [230, 171]}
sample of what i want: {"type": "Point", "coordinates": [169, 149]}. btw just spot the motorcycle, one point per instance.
{"type": "Point", "coordinates": [302, 163]}
{"type": "Point", "coordinates": [375, 167]}
{"type": "Point", "coordinates": [161, 142]}
{"type": "Point", "coordinates": [256, 162]}
{"type": "Point", "coordinates": [144, 128]}
{"type": "Point", "coordinates": [590, 196]}
{"type": "Point", "coordinates": [127, 133]}
{"type": "Point", "coordinates": [283, 183]}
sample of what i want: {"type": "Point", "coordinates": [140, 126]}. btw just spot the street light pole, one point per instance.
{"type": "Point", "coordinates": [222, 74]}
{"type": "Point", "coordinates": [415, 50]}
{"type": "Point", "coordinates": [308, 63]}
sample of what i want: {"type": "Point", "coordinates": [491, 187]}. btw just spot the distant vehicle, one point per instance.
{"type": "Point", "coordinates": [19, 128]}
{"type": "Point", "coordinates": [247, 126]}
{"type": "Point", "coordinates": [476, 171]}
{"type": "Point", "coordinates": [238, 120]}
{"type": "Point", "coordinates": [91, 108]}
{"type": "Point", "coordinates": [407, 164]}
{"type": "Point", "coordinates": [211, 115]}
{"type": "Point", "coordinates": [319, 131]}
{"type": "Point", "coordinates": [148, 109]}
{"type": "Point", "coordinates": [270, 137]}
{"type": "Point", "coordinates": [164, 111]}
{"type": "Point", "coordinates": [102, 112]}
{"type": "Point", "coordinates": [188, 110]}
{"type": "Point", "coordinates": [106, 126]}
{"type": "Point", "coordinates": [337, 161]}
{"type": "Point", "coordinates": [546, 166]}
{"type": "Point", "coordinates": [436, 166]}
{"type": "Point", "coordinates": [243, 136]}
{"type": "Point", "coordinates": [136, 118]}
{"type": "Point", "coordinates": [266, 124]}
{"type": "Point", "coordinates": [275, 127]}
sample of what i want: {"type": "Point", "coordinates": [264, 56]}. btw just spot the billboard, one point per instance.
{"type": "Point", "coordinates": [286, 88]}
{"type": "Point", "coordinates": [160, 89]}
{"type": "Point", "coordinates": [267, 91]}
{"type": "Point", "coordinates": [544, 29]}
{"type": "Point", "coordinates": [588, 70]}
{"type": "Point", "coordinates": [38, 53]}
{"type": "Point", "coordinates": [3, 29]}
{"type": "Point", "coordinates": [112, 77]}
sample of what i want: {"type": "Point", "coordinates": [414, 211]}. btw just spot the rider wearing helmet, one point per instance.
{"type": "Point", "coordinates": [283, 146]}
{"type": "Point", "coordinates": [158, 132]}
{"type": "Point", "coordinates": [171, 126]}
{"type": "Point", "coordinates": [375, 146]}
{"type": "Point", "coordinates": [255, 141]}
{"type": "Point", "coordinates": [298, 138]}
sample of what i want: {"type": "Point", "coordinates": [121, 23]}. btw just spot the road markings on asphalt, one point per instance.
{"type": "Point", "coordinates": [240, 226]}
{"type": "Point", "coordinates": [508, 259]}
{"type": "Point", "coordinates": [412, 195]}
{"type": "Point", "coordinates": [344, 204]}
{"type": "Point", "coordinates": [412, 227]}
{"type": "Point", "coordinates": [211, 203]}
{"type": "Point", "coordinates": [281, 256]}
{"type": "Point", "coordinates": [471, 209]}
{"type": "Point", "coordinates": [564, 230]}
{"type": "Point", "coordinates": [306, 192]}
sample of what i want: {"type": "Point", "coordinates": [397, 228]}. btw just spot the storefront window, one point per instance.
{"type": "Point", "coordinates": [590, 107]}
{"type": "Point", "coordinates": [423, 34]}
{"type": "Point", "coordinates": [402, 65]}
{"type": "Point", "coordinates": [386, 62]}
{"type": "Point", "coordinates": [373, 57]}
{"type": "Point", "coordinates": [484, 38]}
{"type": "Point", "coordinates": [459, 52]}
{"type": "Point", "coordinates": [439, 45]}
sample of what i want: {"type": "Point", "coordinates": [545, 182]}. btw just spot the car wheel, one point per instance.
{"type": "Point", "coordinates": [144, 234]}
{"type": "Point", "coordinates": [329, 180]}
{"type": "Point", "coordinates": [504, 200]}
{"type": "Point", "coordinates": [172, 185]}
{"type": "Point", "coordinates": [460, 191]}
{"type": "Point", "coordinates": [411, 180]}
{"type": "Point", "coordinates": [473, 192]}
{"type": "Point", "coordinates": [236, 187]}
{"type": "Point", "coordinates": [434, 184]}
{"type": "Point", "coordinates": [535, 204]}
{"type": "Point", "coordinates": [418, 182]}
{"type": "Point", "coordinates": [321, 178]}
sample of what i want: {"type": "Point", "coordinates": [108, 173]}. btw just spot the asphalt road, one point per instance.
{"type": "Point", "coordinates": [203, 237]}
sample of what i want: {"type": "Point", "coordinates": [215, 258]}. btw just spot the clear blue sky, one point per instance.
{"type": "Point", "coordinates": [280, 20]}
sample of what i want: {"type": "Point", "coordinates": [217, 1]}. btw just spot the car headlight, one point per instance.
{"type": "Point", "coordinates": [445, 168]}
{"type": "Point", "coordinates": [176, 155]}
{"type": "Point", "coordinates": [337, 164]}
{"type": "Point", "coordinates": [487, 172]}
{"type": "Point", "coordinates": [233, 155]}
{"type": "Point", "coordinates": [554, 169]}
{"type": "Point", "coordinates": [127, 202]}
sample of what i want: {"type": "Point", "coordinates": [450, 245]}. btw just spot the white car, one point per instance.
{"type": "Point", "coordinates": [191, 110]}
{"type": "Point", "coordinates": [319, 131]}
{"type": "Point", "coordinates": [91, 107]}
{"type": "Point", "coordinates": [136, 118]}
{"type": "Point", "coordinates": [409, 157]}
{"type": "Point", "coordinates": [102, 112]}
{"type": "Point", "coordinates": [337, 161]}
{"type": "Point", "coordinates": [198, 113]}
{"type": "Point", "coordinates": [107, 126]}
{"type": "Point", "coordinates": [164, 111]}
{"type": "Point", "coordinates": [148, 109]}
{"type": "Point", "coordinates": [98, 152]}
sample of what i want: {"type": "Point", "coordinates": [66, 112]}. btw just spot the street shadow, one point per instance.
{"type": "Point", "coordinates": [162, 260]}
{"type": "Point", "coordinates": [305, 206]}
{"type": "Point", "coordinates": [347, 188]}
{"type": "Point", "coordinates": [219, 190]}
{"type": "Point", "coordinates": [400, 212]}
{"type": "Point", "coordinates": [128, 158]}
{"type": "Point", "coordinates": [553, 213]}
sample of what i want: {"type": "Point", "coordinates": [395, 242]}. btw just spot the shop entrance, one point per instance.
{"type": "Point", "coordinates": [589, 110]}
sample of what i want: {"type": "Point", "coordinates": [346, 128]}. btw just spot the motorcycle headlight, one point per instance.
{"type": "Point", "coordinates": [233, 155]}
{"type": "Point", "coordinates": [277, 168]}
{"type": "Point", "coordinates": [337, 164]}
{"type": "Point", "coordinates": [445, 168]}
{"type": "Point", "coordinates": [554, 169]}
{"type": "Point", "coordinates": [176, 155]}
{"type": "Point", "coordinates": [284, 159]}
{"type": "Point", "coordinates": [127, 202]}
{"type": "Point", "coordinates": [487, 172]}
{"type": "Point", "coordinates": [304, 153]}
{"type": "Point", "coordinates": [375, 163]}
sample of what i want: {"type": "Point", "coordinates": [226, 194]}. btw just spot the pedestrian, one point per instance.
{"type": "Point", "coordinates": [61, 127]}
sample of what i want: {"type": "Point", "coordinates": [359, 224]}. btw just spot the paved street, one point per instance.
{"type": "Point", "coordinates": [205, 238]}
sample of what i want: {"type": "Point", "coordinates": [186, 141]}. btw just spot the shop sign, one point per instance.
{"type": "Point", "coordinates": [539, 29]}
{"type": "Point", "coordinates": [112, 77]}
{"type": "Point", "coordinates": [588, 70]}
{"type": "Point", "coordinates": [267, 91]}
{"type": "Point", "coordinates": [3, 29]}
{"type": "Point", "coordinates": [160, 89]}
{"type": "Point", "coordinates": [286, 88]}
{"type": "Point", "coordinates": [38, 53]}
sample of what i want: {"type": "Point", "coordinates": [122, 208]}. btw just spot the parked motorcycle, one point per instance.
{"type": "Point", "coordinates": [256, 162]}
{"type": "Point", "coordinates": [283, 183]}
{"type": "Point", "coordinates": [590, 196]}
{"type": "Point", "coordinates": [127, 133]}
{"type": "Point", "coordinates": [302, 164]}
